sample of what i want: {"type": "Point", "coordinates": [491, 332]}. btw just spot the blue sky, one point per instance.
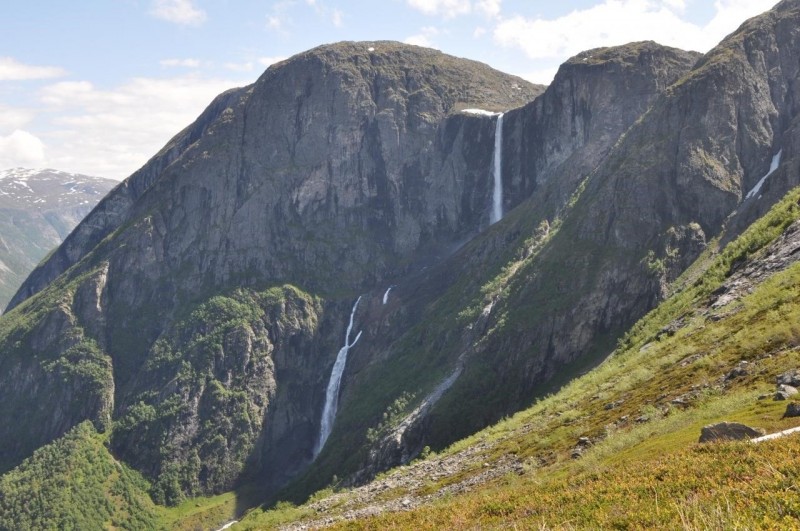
{"type": "Point", "coordinates": [98, 86]}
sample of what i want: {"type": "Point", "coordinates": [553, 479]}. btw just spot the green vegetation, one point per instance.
{"type": "Point", "coordinates": [754, 239]}
{"type": "Point", "coordinates": [719, 486]}
{"type": "Point", "coordinates": [216, 342]}
{"type": "Point", "coordinates": [75, 484]}
{"type": "Point", "coordinates": [643, 409]}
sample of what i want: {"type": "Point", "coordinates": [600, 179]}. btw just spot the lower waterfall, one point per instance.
{"type": "Point", "coordinates": [332, 394]}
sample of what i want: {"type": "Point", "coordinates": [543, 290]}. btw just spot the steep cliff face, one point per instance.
{"type": "Point", "coordinates": [344, 165]}
{"type": "Point", "coordinates": [433, 341]}
{"type": "Point", "coordinates": [115, 209]}
{"type": "Point", "coordinates": [342, 137]}
{"type": "Point", "coordinates": [595, 97]}
{"type": "Point", "coordinates": [544, 294]}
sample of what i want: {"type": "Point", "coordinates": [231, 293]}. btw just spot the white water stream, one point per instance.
{"type": "Point", "coordinates": [497, 195]}
{"type": "Point", "coordinates": [386, 295]}
{"type": "Point", "coordinates": [332, 394]}
{"type": "Point", "coordinates": [776, 160]}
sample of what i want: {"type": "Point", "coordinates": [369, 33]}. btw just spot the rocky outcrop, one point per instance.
{"type": "Point", "coordinates": [43, 396]}
{"type": "Point", "coordinates": [115, 209]}
{"type": "Point", "coordinates": [791, 377]}
{"type": "Point", "coordinates": [595, 97]}
{"type": "Point", "coordinates": [620, 83]}
{"type": "Point", "coordinates": [785, 392]}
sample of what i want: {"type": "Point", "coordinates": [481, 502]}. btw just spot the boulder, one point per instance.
{"type": "Point", "coordinates": [784, 392]}
{"type": "Point", "coordinates": [742, 369]}
{"type": "Point", "coordinates": [792, 410]}
{"type": "Point", "coordinates": [789, 378]}
{"type": "Point", "coordinates": [728, 431]}
{"type": "Point", "coordinates": [584, 443]}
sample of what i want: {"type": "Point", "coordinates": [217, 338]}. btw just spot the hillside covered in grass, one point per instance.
{"type": "Point", "coordinates": [617, 447]}
{"type": "Point", "coordinates": [75, 484]}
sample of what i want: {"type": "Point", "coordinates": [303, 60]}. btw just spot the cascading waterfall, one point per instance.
{"type": "Point", "coordinates": [386, 295]}
{"type": "Point", "coordinates": [497, 195]}
{"type": "Point", "coordinates": [776, 161]}
{"type": "Point", "coordinates": [332, 394]}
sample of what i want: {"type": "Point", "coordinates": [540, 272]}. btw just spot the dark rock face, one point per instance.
{"type": "Point", "coordinates": [115, 209]}
{"type": "Point", "coordinates": [345, 165]}
{"type": "Point", "coordinates": [503, 366]}
{"type": "Point", "coordinates": [729, 431]}
{"type": "Point", "coordinates": [340, 156]}
{"type": "Point", "coordinates": [631, 221]}
{"type": "Point", "coordinates": [595, 97]}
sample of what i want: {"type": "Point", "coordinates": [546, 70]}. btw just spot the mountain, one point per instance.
{"type": "Point", "coordinates": [618, 447]}
{"type": "Point", "coordinates": [38, 209]}
{"type": "Point", "coordinates": [310, 284]}
{"type": "Point", "coordinates": [240, 262]}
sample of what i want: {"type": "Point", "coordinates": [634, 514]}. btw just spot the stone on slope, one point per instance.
{"type": "Point", "coordinates": [730, 431]}
{"type": "Point", "coordinates": [789, 378]}
{"type": "Point", "coordinates": [792, 410]}
{"type": "Point", "coordinates": [784, 392]}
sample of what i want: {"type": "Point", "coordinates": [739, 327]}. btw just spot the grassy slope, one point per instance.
{"type": "Point", "coordinates": [644, 469]}
{"type": "Point", "coordinates": [74, 483]}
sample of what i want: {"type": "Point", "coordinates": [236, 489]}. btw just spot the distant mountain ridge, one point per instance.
{"type": "Point", "coordinates": [38, 209]}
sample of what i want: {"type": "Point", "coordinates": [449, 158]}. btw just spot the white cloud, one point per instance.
{"type": "Point", "coordinates": [14, 118]}
{"type": "Point", "coordinates": [418, 40]}
{"type": "Point", "coordinates": [610, 23]}
{"type": "Point", "coordinates": [249, 66]}
{"type": "Point", "coordinates": [13, 70]}
{"type": "Point", "coordinates": [454, 8]}
{"type": "Point", "coordinates": [677, 5]}
{"type": "Point", "coordinates": [275, 22]}
{"type": "Point", "coordinates": [240, 67]}
{"type": "Point", "coordinates": [424, 37]}
{"type": "Point", "coordinates": [542, 76]}
{"type": "Point", "coordinates": [181, 12]}
{"type": "Point", "coordinates": [479, 32]}
{"type": "Point", "coordinates": [267, 61]}
{"type": "Point", "coordinates": [186, 63]}
{"type": "Point", "coordinates": [283, 13]}
{"type": "Point", "coordinates": [337, 18]}
{"type": "Point", "coordinates": [446, 8]}
{"type": "Point", "coordinates": [614, 22]}
{"type": "Point", "coordinates": [21, 148]}
{"type": "Point", "coordinates": [490, 8]}
{"type": "Point", "coordinates": [729, 15]}
{"type": "Point", "coordinates": [113, 132]}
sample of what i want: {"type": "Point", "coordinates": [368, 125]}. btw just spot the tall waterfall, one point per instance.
{"type": "Point", "coordinates": [497, 195]}
{"type": "Point", "coordinates": [332, 394]}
